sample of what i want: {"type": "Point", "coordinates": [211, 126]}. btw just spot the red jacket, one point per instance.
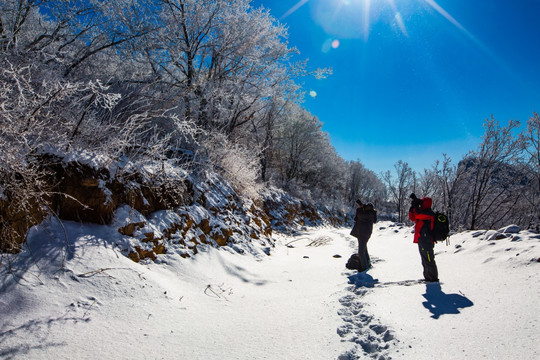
{"type": "Point", "coordinates": [419, 216]}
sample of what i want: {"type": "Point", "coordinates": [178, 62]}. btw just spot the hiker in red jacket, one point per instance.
{"type": "Point", "coordinates": [421, 213]}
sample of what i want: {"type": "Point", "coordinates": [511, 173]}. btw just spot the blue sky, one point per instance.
{"type": "Point", "coordinates": [413, 79]}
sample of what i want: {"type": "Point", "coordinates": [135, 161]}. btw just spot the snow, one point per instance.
{"type": "Point", "coordinates": [76, 296]}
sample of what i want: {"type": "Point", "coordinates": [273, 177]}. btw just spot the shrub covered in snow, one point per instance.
{"type": "Point", "coordinates": [237, 164]}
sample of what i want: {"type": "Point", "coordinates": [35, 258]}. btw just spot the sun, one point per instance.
{"type": "Point", "coordinates": [355, 18]}
{"type": "Point", "coordinates": [351, 18]}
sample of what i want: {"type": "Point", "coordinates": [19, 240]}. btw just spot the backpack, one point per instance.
{"type": "Point", "coordinates": [441, 227]}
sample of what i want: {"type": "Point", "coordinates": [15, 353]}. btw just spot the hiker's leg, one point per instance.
{"type": "Point", "coordinates": [363, 254]}
{"type": "Point", "coordinates": [425, 246]}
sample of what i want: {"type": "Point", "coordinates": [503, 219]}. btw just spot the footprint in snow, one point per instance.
{"type": "Point", "coordinates": [370, 338]}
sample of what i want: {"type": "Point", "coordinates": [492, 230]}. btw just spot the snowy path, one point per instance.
{"type": "Point", "coordinates": [298, 303]}
{"type": "Point", "coordinates": [486, 308]}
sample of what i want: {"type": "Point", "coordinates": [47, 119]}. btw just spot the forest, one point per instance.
{"type": "Point", "coordinates": [212, 86]}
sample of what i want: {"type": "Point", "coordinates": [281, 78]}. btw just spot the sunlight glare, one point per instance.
{"type": "Point", "coordinates": [367, 4]}
{"type": "Point", "coordinates": [445, 14]}
{"type": "Point", "coordinates": [401, 24]}
{"type": "Point", "coordinates": [481, 45]}
{"type": "Point", "coordinates": [349, 19]}
{"type": "Point", "coordinates": [294, 8]}
{"type": "Point", "coordinates": [354, 18]}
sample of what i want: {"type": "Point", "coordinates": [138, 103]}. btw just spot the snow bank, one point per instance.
{"type": "Point", "coordinates": [73, 294]}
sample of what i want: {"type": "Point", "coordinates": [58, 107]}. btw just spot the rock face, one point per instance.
{"type": "Point", "coordinates": [90, 195]}
{"type": "Point", "coordinates": [199, 211]}
{"type": "Point", "coordinates": [287, 213]}
{"type": "Point", "coordinates": [216, 217]}
{"type": "Point", "coordinates": [82, 193]}
{"type": "Point", "coordinates": [15, 220]}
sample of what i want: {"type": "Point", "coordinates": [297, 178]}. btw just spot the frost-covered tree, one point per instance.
{"type": "Point", "coordinates": [239, 165]}
{"type": "Point", "coordinates": [447, 196]}
{"type": "Point", "coordinates": [223, 60]}
{"type": "Point", "coordinates": [150, 81]}
{"type": "Point", "coordinates": [62, 93]}
{"type": "Point", "coordinates": [299, 140]}
{"type": "Point", "coordinates": [531, 142]}
{"type": "Point", "coordinates": [364, 184]}
{"type": "Point", "coordinates": [75, 35]}
{"type": "Point", "coordinates": [425, 183]}
{"type": "Point", "coordinates": [328, 180]}
{"type": "Point", "coordinates": [491, 178]}
{"type": "Point", "coordinates": [400, 187]}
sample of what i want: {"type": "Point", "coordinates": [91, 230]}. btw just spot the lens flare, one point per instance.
{"type": "Point", "coordinates": [330, 44]}
{"type": "Point", "coordinates": [355, 18]}
{"type": "Point", "coordinates": [294, 8]}
{"type": "Point", "coordinates": [401, 24]}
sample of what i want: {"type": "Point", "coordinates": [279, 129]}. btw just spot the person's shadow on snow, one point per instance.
{"type": "Point", "coordinates": [363, 279]}
{"type": "Point", "coordinates": [439, 303]}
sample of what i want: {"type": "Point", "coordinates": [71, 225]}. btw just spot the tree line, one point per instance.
{"type": "Point", "coordinates": [213, 85]}
{"type": "Point", "coordinates": [490, 187]}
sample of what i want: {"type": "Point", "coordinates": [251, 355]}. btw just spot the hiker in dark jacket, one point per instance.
{"type": "Point", "coordinates": [364, 219]}
{"type": "Point", "coordinates": [420, 212]}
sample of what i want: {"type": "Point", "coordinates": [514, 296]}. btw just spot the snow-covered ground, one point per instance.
{"type": "Point", "coordinates": [81, 298]}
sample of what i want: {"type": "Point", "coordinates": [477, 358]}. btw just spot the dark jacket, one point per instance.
{"type": "Point", "coordinates": [424, 218]}
{"type": "Point", "coordinates": [364, 219]}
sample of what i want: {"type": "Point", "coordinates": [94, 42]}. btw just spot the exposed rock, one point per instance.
{"type": "Point", "coordinates": [83, 194]}
{"type": "Point", "coordinates": [129, 229]}
{"type": "Point", "coordinates": [287, 213]}
{"type": "Point", "coordinates": [494, 235]}
{"type": "Point", "coordinates": [510, 229]}
{"type": "Point", "coordinates": [204, 225]}
{"type": "Point", "coordinates": [15, 220]}
{"type": "Point", "coordinates": [86, 194]}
